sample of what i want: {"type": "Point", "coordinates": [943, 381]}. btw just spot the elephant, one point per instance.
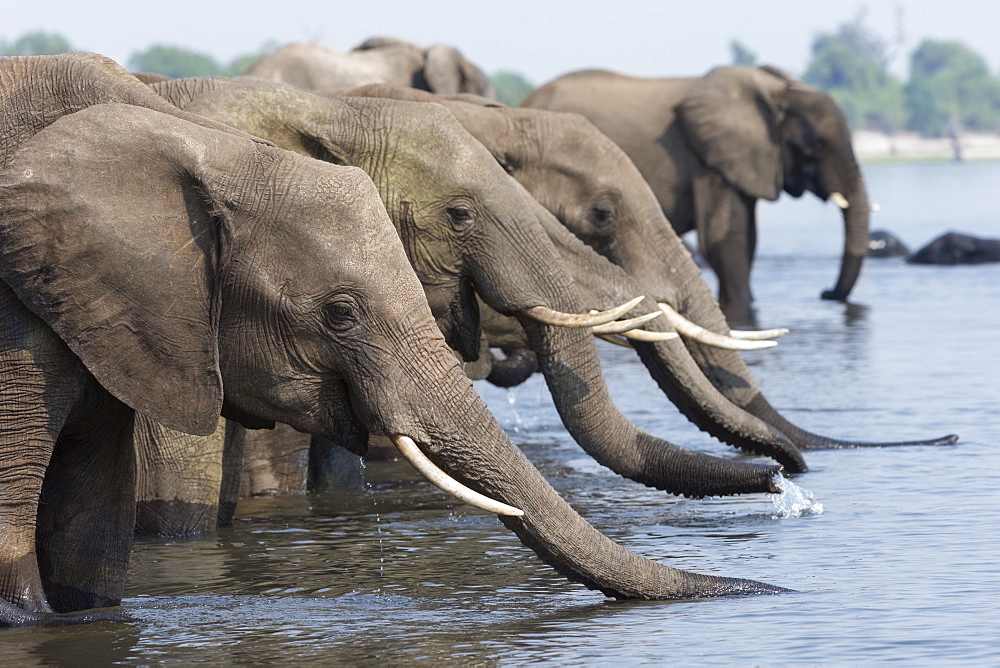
{"type": "Point", "coordinates": [711, 146]}
{"type": "Point", "coordinates": [883, 244]}
{"type": "Point", "coordinates": [957, 248]}
{"type": "Point", "coordinates": [469, 229]}
{"type": "Point", "coordinates": [439, 68]}
{"type": "Point", "coordinates": [598, 194]}
{"type": "Point", "coordinates": [154, 266]}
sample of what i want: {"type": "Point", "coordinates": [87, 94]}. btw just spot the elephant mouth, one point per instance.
{"type": "Point", "coordinates": [408, 448]}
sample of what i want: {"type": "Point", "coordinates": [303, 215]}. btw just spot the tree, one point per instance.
{"type": "Point", "coordinates": [174, 62]}
{"type": "Point", "coordinates": [741, 54]}
{"type": "Point", "coordinates": [35, 44]}
{"type": "Point", "coordinates": [511, 88]}
{"type": "Point", "coordinates": [852, 65]}
{"type": "Point", "coordinates": [950, 89]}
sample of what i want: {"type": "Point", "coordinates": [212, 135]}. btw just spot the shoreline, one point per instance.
{"type": "Point", "coordinates": [873, 147]}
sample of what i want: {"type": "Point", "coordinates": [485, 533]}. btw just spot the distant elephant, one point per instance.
{"type": "Point", "coordinates": [882, 244]}
{"type": "Point", "coordinates": [957, 248]}
{"type": "Point", "coordinates": [439, 68]}
{"type": "Point", "coordinates": [711, 146]}
{"type": "Point", "coordinates": [597, 193]}
{"type": "Point", "coordinates": [469, 229]}
{"type": "Point", "coordinates": [152, 265]}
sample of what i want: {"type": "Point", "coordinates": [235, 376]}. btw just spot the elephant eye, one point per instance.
{"type": "Point", "coordinates": [603, 214]}
{"type": "Point", "coordinates": [461, 217]}
{"type": "Point", "coordinates": [340, 313]}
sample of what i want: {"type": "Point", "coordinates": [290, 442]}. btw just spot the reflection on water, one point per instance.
{"type": "Point", "coordinates": [900, 565]}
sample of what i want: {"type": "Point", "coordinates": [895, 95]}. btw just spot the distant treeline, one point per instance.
{"type": "Point", "coordinates": [950, 88]}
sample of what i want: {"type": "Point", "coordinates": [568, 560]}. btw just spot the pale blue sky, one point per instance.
{"type": "Point", "coordinates": [539, 38]}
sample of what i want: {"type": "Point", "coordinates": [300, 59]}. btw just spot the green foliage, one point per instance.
{"type": "Point", "coordinates": [174, 62]}
{"type": "Point", "coordinates": [177, 62]}
{"type": "Point", "coordinates": [741, 54]}
{"type": "Point", "coordinates": [511, 88]}
{"type": "Point", "coordinates": [951, 88]}
{"type": "Point", "coordinates": [35, 44]}
{"type": "Point", "coordinates": [851, 66]}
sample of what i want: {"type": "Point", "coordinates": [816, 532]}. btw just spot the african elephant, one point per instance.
{"type": "Point", "coordinates": [882, 243]}
{"type": "Point", "coordinates": [155, 266]}
{"type": "Point", "coordinates": [439, 68]}
{"type": "Point", "coordinates": [469, 229]}
{"type": "Point", "coordinates": [597, 193]}
{"type": "Point", "coordinates": [711, 146]}
{"type": "Point", "coordinates": [957, 248]}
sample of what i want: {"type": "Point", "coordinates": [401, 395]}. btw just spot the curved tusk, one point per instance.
{"type": "Point", "coordinates": [547, 316]}
{"type": "Point", "coordinates": [692, 331]}
{"type": "Point", "coordinates": [757, 334]}
{"type": "Point", "coordinates": [616, 339]}
{"type": "Point", "coordinates": [645, 335]}
{"type": "Point", "coordinates": [446, 483]}
{"type": "Point", "coordinates": [839, 200]}
{"type": "Point", "coordinates": [619, 326]}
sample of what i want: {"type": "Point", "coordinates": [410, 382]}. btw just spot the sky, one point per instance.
{"type": "Point", "coordinates": [539, 39]}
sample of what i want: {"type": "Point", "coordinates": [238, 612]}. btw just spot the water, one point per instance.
{"type": "Point", "coordinates": [900, 565]}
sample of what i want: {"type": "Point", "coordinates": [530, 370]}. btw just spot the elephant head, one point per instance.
{"type": "Point", "coordinates": [763, 131]}
{"type": "Point", "coordinates": [440, 68]}
{"type": "Point", "coordinates": [187, 269]}
{"type": "Point", "coordinates": [469, 229]}
{"type": "Point", "coordinates": [711, 146]}
{"type": "Point", "coordinates": [598, 194]}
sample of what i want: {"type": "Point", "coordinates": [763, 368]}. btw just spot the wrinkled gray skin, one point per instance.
{"type": "Point", "coordinates": [151, 265]}
{"type": "Point", "coordinates": [470, 229]}
{"type": "Point", "coordinates": [439, 68]}
{"type": "Point", "coordinates": [711, 146]}
{"type": "Point", "coordinates": [596, 192]}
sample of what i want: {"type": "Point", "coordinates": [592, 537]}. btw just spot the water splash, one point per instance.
{"type": "Point", "coordinates": [793, 501]}
{"type": "Point", "coordinates": [512, 401]}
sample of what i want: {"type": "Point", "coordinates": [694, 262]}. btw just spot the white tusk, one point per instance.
{"type": "Point", "coordinates": [692, 331]}
{"type": "Point", "coordinates": [645, 335]}
{"type": "Point", "coordinates": [446, 483]}
{"type": "Point", "coordinates": [547, 316]}
{"type": "Point", "coordinates": [616, 339]}
{"type": "Point", "coordinates": [758, 334]}
{"type": "Point", "coordinates": [619, 326]}
{"type": "Point", "coordinates": [874, 207]}
{"type": "Point", "coordinates": [839, 200]}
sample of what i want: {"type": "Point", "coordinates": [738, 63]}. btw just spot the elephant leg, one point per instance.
{"type": "Point", "coordinates": [233, 458]}
{"type": "Point", "coordinates": [86, 518]}
{"type": "Point", "coordinates": [727, 237]}
{"type": "Point", "coordinates": [332, 466]}
{"type": "Point", "coordinates": [276, 461]}
{"type": "Point", "coordinates": [39, 381]}
{"type": "Point", "coordinates": [179, 477]}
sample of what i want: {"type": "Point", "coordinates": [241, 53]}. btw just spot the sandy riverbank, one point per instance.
{"type": "Point", "coordinates": [876, 147]}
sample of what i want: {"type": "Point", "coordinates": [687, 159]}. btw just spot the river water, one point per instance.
{"type": "Point", "coordinates": [900, 563]}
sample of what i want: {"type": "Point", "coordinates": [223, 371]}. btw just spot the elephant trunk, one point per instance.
{"type": "Point", "coordinates": [856, 215]}
{"type": "Point", "coordinates": [568, 359]}
{"type": "Point", "coordinates": [549, 526]}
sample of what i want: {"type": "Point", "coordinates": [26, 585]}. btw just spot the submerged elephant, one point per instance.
{"type": "Point", "coordinates": [470, 229]}
{"type": "Point", "coordinates": [598, 194]}
{"type": "Point", "coordinates": [439, 68]}
{"type": "Point", "coordinates": [152, 265]}
{"type": "Point", "coordinates": [711, 146]}
{"type": "Point", "coordinates": [882, 244]}
{"type": "Point", "coordinates": [957, 248]}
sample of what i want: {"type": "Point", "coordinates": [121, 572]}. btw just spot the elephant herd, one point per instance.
{"type": "Point", "coordinates": [187, 262]}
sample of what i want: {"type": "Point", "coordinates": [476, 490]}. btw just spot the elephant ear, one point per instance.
{"type": "Point", "coordinates": [107, 233]}
{"type": "Point", "coordinates": [441, 69]}
{"type": "Point", "coordinates": [731, 119]}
